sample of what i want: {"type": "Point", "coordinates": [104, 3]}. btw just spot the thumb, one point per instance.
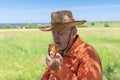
{"type": "Point", "coordinates": [58, 55]}
{"type": "Point", "coordinates": [48, 60]}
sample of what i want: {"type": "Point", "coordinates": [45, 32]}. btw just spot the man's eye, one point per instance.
{"type": "Point", "coordinates": [61, 33]}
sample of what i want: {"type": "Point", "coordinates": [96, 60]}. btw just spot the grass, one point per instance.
{"type": "Point", "coordinates": [22, 52]}
{"type": "Point", "coordinates": [112, 24]}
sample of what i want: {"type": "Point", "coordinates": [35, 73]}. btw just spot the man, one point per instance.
{"type": "Point", "coordinates": [81, 62]}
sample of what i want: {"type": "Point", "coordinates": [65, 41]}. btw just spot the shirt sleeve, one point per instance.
{"type": "Point", "coordinates": [90, 66]}
{"type": "Point", "coordinates": [46, 74]}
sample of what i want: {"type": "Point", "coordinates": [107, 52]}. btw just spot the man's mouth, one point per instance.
{"type": "Point", "coordinates": [57, 43]}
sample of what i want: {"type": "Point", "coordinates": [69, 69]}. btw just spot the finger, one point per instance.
{"type": "Point", "coordinates": [48, 57]}
{"type": "Point", "coordinates": [48, 60]}
{"type": "Point", "coordinates": [51, 54]}
{"type": "Point", "coordinates": [58, 55]}
{"type": "Point", "coordinates": [60, 61]}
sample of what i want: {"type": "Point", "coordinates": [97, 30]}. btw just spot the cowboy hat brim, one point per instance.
{"type": "Point", "coordinates": [62, 26]}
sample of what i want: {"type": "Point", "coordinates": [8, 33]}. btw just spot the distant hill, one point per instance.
{"type": "Point", "coordinates": [21, 25]}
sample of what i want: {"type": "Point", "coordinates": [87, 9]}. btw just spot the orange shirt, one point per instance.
{"type": "Point", "coordinates": [81, 62]}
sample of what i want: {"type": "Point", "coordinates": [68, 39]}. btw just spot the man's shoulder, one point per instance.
{"type": "Point", "coordinates": [85, 48]}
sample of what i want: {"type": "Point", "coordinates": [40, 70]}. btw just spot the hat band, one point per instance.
{"type": "Point", "coordinates": [59, 23]}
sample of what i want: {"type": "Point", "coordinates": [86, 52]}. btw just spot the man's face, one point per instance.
{"type": "Point", "coordinates": [61, 38]}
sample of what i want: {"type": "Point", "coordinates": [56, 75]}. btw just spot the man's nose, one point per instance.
{"type": "Point", "coordinates": [56, 36]}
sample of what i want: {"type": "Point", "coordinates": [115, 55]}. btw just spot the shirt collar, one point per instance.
{"type": "Point", "coordinates": [77, 42]}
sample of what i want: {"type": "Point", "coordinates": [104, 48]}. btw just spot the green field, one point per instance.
{"type": "Point", "coordinates": [22, 51]}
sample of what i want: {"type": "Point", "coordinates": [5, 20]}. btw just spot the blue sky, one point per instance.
{"type": "Point", "coordinates": [39, 11]}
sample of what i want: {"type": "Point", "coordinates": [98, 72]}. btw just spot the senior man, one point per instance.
{"type": "Point", "coordinates": [81, 61]}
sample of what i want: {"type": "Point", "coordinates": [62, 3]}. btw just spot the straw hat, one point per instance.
{"type": "Point", "coordinates": [61, 20]}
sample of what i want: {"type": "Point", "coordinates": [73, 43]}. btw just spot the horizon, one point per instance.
{"type": "Point", "coordinates": [39, 11]}
{"type": "Point", "coordinates": [49, 22]}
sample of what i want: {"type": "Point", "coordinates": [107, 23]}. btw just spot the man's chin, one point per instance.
{"type": "Point", "coordinates": [60, 48]}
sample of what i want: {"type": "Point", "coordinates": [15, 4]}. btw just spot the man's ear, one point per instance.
{"type": "Point", "coordinates": [74, 32]}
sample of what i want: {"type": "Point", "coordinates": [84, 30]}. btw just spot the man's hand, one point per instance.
{"type": "Point", "coordinates": [54, 62]}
